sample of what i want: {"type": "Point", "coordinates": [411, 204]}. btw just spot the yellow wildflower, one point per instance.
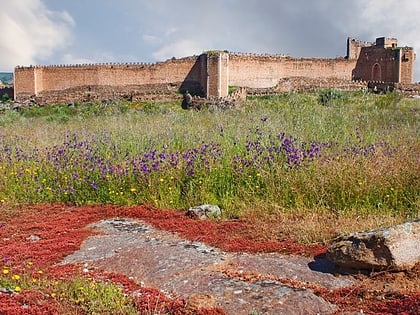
{"type": "Point", "coordinates": [16, 277]}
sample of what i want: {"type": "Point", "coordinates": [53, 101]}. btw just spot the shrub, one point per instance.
{"type": "Point", "coordinates": [5, 98]}
{"type": "Point", "coordinates": [327, 96]}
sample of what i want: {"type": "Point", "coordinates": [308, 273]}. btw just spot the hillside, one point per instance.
{"type": "Point", "coordinates": [6, 77]}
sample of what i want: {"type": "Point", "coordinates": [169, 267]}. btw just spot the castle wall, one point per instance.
{"type": "Point", "coordinates": [407, 57]}
{"type": "Point", "coordinates": [24, 82]}
{"type": "Point", "coordinates": [217, 74]}
{"type": "Point", "coordinates": [212, 73]}
{"type": "Point", "coordinates": [42, 81]}
{"type": "Point", "coordinates": [263, 71]}
{"type": "Point", "coordinates": [378, 64]}
{"type": "Point", "coordinates": [354, 47]}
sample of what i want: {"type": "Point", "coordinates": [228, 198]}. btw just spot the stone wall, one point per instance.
{"type": "Point", "coordinates": [263, 71]}
{"type": "Point", "coordinates": [407, 57]}
{"type": "Point", "coordinates": [304, 84]}
{"type": "Point", "coordinates": [78, 81]}
{"type": "Point", "coordinates": [218, 70]}
{"type": "Point", "coordinates": [211, 74]}
{"type": "Point", "coordinates": [377, 64]}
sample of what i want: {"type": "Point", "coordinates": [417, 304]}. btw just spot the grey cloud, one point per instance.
{"type": "Point", "coordinates": [144, 30]}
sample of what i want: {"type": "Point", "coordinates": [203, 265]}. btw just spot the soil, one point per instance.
{"type": "Point", "coordinates": [186, 266]}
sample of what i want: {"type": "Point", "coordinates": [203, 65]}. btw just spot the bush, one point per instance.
{"type": "Point", "coordinates": [5, 97]}
{"type": "Point", "coordinates": [327, 96]}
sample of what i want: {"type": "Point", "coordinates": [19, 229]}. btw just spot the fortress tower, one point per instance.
{"type": "Point", "coordinates": [381, 61]}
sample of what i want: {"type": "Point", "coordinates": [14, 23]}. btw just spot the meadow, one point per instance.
{"type": "Point", "coordinates": [301, 166]}
{"type": "Point", "coordinates": [349, 156]}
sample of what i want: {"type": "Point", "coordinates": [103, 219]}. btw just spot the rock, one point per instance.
{"type": "Point", "coordinates": [204, 212]}
{"type": "Point", "coordinates": [393, 248]}
{"type": "Point", "coordinates": [33, 238]}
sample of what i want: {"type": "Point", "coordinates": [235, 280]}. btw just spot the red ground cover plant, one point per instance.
{"type": "Point", "coordinates": [34, 238]}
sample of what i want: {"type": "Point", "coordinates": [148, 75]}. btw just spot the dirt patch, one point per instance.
{"type": "Point", "coordinates": [232, 261]}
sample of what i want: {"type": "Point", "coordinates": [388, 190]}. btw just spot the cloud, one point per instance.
{"type": "Point", "coordinates": [392, 18]}
{"type": "Point", "coordinates": [31, 33]}
{"type": "Point", "coordinates": [181, 48]}
{"type": "Point", "coordinates": [70, 59]}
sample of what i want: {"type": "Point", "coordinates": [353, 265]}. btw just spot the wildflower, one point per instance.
{"type": "Point", "coordinates": [16, 277]}
{"type": "Point", "coordinates": [53, 294]}
{"type": "Point", "coordinates": [40, 272]}
{"type": "Point", "coordinates": [161, 180]}
{"type": "Point", "coordinates": [133, 189]}
{"type": "Point", "coordinates": [5, 271]}
{"type": "Point", "coordinates": [30, 263]}
{"type": "Point", "coordinates": [18, 288]}
{"type": "Point", "coordinates": [34, 280]}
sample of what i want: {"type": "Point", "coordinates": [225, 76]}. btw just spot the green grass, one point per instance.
{"type": "Point", "coordinates": [75, 295]}
{"type": "Point", "coordinates": [368, 159]}
{"type": "Point", "coordinates": [366, 173]}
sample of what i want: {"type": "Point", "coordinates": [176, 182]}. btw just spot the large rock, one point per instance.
{"type": "Point", "coordinates": [393, 248]}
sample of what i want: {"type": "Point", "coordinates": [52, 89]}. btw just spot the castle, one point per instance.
{"type": "Point", "coordinates": [211, 73]}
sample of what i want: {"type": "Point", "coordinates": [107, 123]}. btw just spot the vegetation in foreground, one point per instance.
{"type": "Point", "coordinates": [303, 160]}
{"type": "Point", "coordinates": [357, 153]}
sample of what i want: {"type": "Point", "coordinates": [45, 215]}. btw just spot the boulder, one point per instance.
{"type": "Point", "coordinates": [204, 212]}
{"type": "Point", "coordinates": [392, 248]}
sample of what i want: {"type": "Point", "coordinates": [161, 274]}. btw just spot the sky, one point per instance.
{"type": "Point", "coordinates": [92, 31]}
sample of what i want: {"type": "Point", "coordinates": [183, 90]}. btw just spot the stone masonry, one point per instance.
{"type": "Point", "coordinates": [211, 73]}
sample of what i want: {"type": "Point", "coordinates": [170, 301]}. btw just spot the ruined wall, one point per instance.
{"type": "Point", "coordinates": [24, 83]}
{"type": "Point", "coordinates": [408, 57]}
{"type": "Point", "coordinates": [212, 73]}
{"type": "Point", "coordinates": [218, 73]}
{"type": "Point", "coordinates": [378, 64]}
{"type": "Point", "coordinates": [263, 71]}
{"type": "Point", "coordinates": [113, 78]}
{"type": "Point", "coordinates": [354, 47]}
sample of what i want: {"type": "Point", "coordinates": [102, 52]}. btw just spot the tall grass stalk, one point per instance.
{"type": "Point", "coordinates": [359, 154]}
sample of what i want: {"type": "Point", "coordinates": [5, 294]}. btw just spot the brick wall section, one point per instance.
{"type": "Point", "coordinates": [408, 57]}
{"type": "Point", "coordinates": [263, 71]}
{"type": "Point", "coordinates": [377, 64]}
{"type": "Point", "coordinates": [42, 81]}
{"type": "Point", "coordinates": [217, 74]}
{"type": "Point", "coordinates": [24, 78]}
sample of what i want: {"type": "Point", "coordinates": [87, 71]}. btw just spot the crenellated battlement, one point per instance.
{"type": "Point", "coordinates": [211, 73]}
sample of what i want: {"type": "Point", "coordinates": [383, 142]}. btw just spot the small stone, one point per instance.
{"type": "Point", "coordinates": [33, 238]}
{"type": "Point", "coordinates": [204, 212]}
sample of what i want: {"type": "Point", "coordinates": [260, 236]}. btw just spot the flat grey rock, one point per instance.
{"type": "Point", "coordinates": [178, 267]}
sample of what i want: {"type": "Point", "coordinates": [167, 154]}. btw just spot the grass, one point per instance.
{"type": "Point", "coordinates": [313, 165]}
{"type": "Point", "coordinates": [358, 155]}
{"type": "Point", "coordinates": [76, 295]}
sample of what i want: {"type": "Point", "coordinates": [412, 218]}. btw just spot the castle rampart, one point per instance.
{"type": "Point", "coordinates": [211, 73]}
